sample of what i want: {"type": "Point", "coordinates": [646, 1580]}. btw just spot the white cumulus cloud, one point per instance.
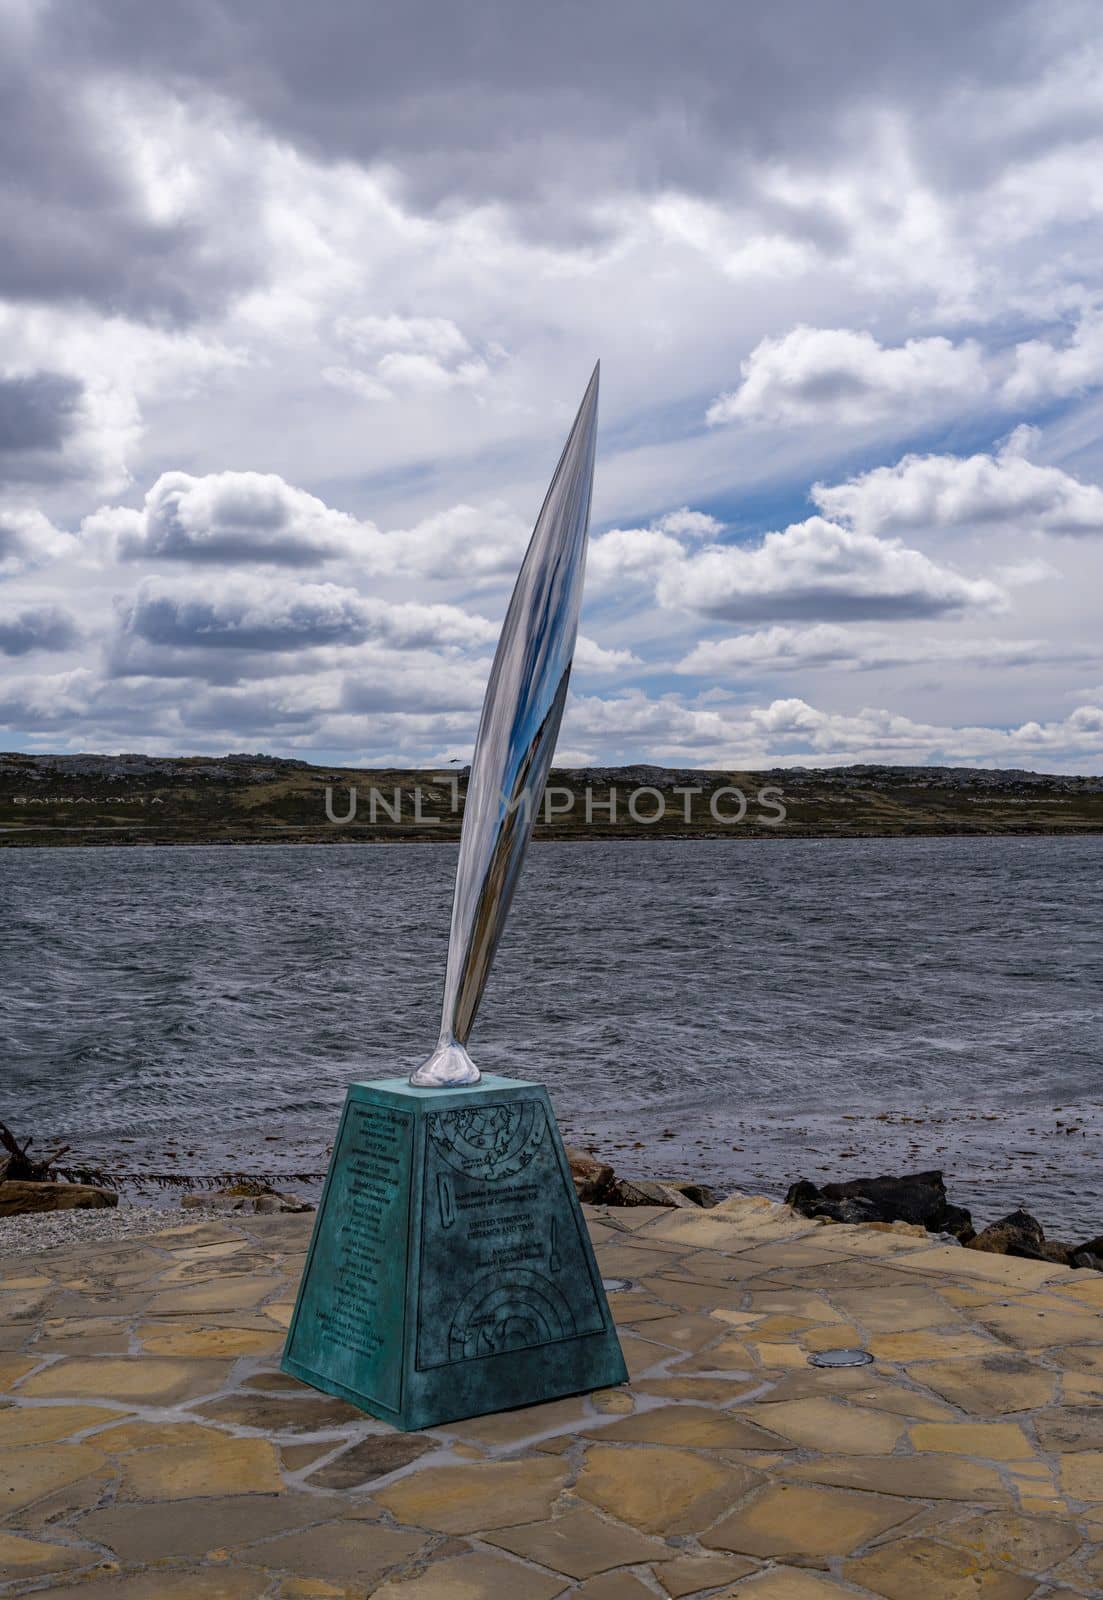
{"type": "Point", "coordinates": [819, 570]}
{"type": "Point", "coordinates": [817, 374]}
{"type": "Point", "coordinates": [945, 491]}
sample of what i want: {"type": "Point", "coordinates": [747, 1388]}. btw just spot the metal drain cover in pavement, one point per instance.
{"type": "Point", "coordinates": [841, 1358]}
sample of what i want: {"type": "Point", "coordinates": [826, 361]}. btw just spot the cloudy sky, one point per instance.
{"type": "Point", "coordinates": [297, 303]}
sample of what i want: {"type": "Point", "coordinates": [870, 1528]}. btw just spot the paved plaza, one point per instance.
{"type": "Point", "coordinates": [152, 1450]}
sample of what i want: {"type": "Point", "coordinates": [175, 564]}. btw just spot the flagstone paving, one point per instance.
{"type": "Point", "coordinates": [151, 1450]}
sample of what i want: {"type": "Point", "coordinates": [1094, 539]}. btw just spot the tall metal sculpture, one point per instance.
{"type": "Point", "coordinates": [451, 1272]}
{"type": "Point", "coordinates": [513, 749]}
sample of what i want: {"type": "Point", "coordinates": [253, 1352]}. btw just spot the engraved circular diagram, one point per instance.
{"type": "Point", "coordinates": [515, 1310]}
{"type": "Point", "coordinates": [489, 1142]}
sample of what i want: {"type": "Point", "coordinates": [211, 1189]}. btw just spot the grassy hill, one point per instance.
{"type": "Point", "coordinates": [257, 799]}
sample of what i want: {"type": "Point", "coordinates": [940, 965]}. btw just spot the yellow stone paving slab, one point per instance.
{"type": "Point", "coordinates": [736, 1319]}
{"type": "Point", "coordinates": [994, 1385]}
{"type": "Point", "coordinates": [12, 1368]}
{"type": "Point", "coordinates": [207, 1463]}
{"type": "Point", "coordinates": [1039, 1324]}
{"type": "Point", "coordinates": [151, 1380]}
{"type": "Point", "coordinates": [925, 1477]}
{"type": "Point", "coordinates": [791, 1255]}
{"type": "Point", "coordinates": [660, 1489]}
{"type": "Point", "coordinates": [226, 1293]}
{"type": "Point", "coordinates": [920, 1569]}
{"type": "Point", "coordinates": [1082, 1286]}
{"type": "Point", "coordinates": [641, 1354]}
{"type": "Point", "coordinates": [685, 1575]}
{"type": "Point", "coordinates": [684, 1331]}
{"type": "Point", "coordinates": [727, 1356]}
{"type": "Point", "coordinates": [687, 1293]}
{"type": "Point", "coordinates": [1082, 1388]}
{"type": "Point", "coordinates": [778, 1354]}
{"type": "Point", "coordinates": [633, 1261]}
{"type": "Point", "coordinates": [32, 1471]}
{"type": "Point", "coordinates": [805, 1520]}
{"type": "Point", "coordinates": [512, 1427]}
{"type": "Point", "coordinates": [614, 1586]}
{"type": "Point", "coordinates": [718, 1391]}
{"type": "Point", "coordinates": [216, 1342]}
{"type": "Point", "coordinates": [1070, 1428]}
{"type": "Point", "coordinates": [788, 1583]}
{"type": "Point", "coordinates": [813, 1306]}
{"type": "Point", "coordinates": [1081, 1475]}
{"type": "Point", "coordinates": [339, 1551]}
{"type": "Point", "coordinates": [1028, 1544]}
{"type": "Point", "coordinates": [22, 1558]}
{"type": "Point", "coordinates": [897, 1310]}
{"type": "Point", "coordinates": [955, 1263]}
{"type": "Point", "coordinates": [580, 1544]}
{"type": "Point", "coordinates": [831, 1424]}
{"type": "Point", "coordinates": [212, 1583]}
{"type": "Point", "coordinates": [994, 1441]}
{"type": "Point", "coordinates": [45, 1424]}
{"type": "Point", "coordinates": [856, 1385]}
{"type": "Point", "coordinates": [480, 1495]}
{"type": "Point", "coordinates": [830, 1338]}
{"type": "Point", "coordinates": [179, 1529]}
{"type": "Point", "coordinates": [928, 1344]}
{"type": "Point", "coordinates": [693, 1427]}
{"type": "Point", "coordinates": [635, 1307]}
{"type": "Point", "coordinates": [478, 1576]}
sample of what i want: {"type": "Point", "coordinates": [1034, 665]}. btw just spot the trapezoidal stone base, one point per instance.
{"type": "Point", "coordinates": [450, 1271]}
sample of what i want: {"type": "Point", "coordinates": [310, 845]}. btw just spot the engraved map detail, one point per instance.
{"type": "Point", "coordinates": [503, 1263]}
{"type": "Point", "coordinates": [489, 1142]}
{"type": "Point", "coordinates": [510, 1312]}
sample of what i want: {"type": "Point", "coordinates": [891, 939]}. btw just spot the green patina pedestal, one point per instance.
{"type": "Point", "coordinates": [450, 1272]}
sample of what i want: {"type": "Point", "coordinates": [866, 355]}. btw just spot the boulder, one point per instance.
{"type": "Point", "coordinates": [594, 1180]}
{"type": "Point", "coordinates": [647, 1192]}
{"type": "Point", "coordinates": [18, 1198]}
{"type": "Point", "coordinates": [245, 1197]}
{"type": "Point", "coordinates": [1089, 1254]}
{"type": "Point", "coordinates": [919, 1199]}
{"type": "Point", "coordinates": [1017, 1234]}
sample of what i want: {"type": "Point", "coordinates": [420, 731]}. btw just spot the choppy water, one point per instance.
{"type": "Point", "coordinates": [744, 1011]}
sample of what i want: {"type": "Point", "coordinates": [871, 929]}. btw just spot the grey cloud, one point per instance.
{"type": "Point", "coordinates": [242, 620]}
{"type": "Point", "coordinates": [483, 101]}
{"type": "Point", "coordinates": [75, 228]}
{"type": "Point", "coordinates": [37, 628]}
{"type": "Point", "coordinates": [36, 411]}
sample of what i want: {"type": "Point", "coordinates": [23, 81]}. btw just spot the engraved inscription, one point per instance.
{"type": "Point", "coordinates": [356, 1305]}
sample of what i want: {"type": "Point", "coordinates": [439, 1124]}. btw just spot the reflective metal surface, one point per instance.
{"type": "Point", "coordinates": [513, 750]}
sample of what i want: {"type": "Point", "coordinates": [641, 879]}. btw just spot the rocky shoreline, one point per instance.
{"type": "Point", "coordinates": [918, 1202]}
{"type": "Point", "coordinates": [37, 1200]}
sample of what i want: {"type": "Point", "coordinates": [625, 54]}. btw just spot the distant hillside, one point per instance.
{"type": "Point", "coordinates": [259, 799]}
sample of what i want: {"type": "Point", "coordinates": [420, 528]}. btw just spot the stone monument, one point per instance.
{"type": "Point", "coordinates": [450, 1272]}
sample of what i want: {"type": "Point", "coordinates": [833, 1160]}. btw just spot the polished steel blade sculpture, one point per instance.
{"type": "Point", "coordinates": [451, 1272]}
{"type": "Point", "coordinates": [516, 738]}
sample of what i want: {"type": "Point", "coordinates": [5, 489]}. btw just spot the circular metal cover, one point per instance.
{"type": "Point", "coordinates": [841, 1358]}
